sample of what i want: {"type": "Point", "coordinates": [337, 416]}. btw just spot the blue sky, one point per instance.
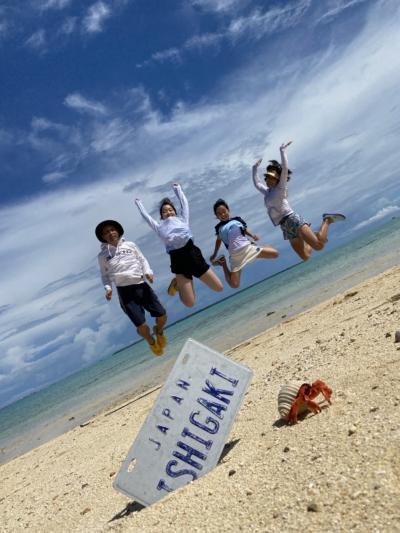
{"type": "Point", "coordinates": [103, 101]}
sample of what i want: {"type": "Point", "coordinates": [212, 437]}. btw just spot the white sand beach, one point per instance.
{"type": "Point", "coordinates": [335, 471]}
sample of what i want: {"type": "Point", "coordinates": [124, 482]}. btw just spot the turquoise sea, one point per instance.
{"type": "Point", "coordinates": [43, 415]}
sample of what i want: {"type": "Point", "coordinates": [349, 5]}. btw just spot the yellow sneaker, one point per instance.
{"type": "Point", "coordinates": [161, 338]}
{"type": "Point", "coordinates": [156, 348]}
{"type": "Point", "coordinates": [173, 287]}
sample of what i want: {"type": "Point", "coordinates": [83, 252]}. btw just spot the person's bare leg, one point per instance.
{"type": "Point", "coordinates": [159, 330]}
{"type": "Point", "coordinates": [267, 252]}
{"type": "Point", "coordinates": [144, 331]}
{"type": "Point", "coordinates": [212, 281]}
{"type": "Point", "coordinates": [311, 238]}
{"type": "Point", "coordinates": [302, 249]}
{"type": "Point", "coordinates": [235, 279]}
{"type": "Point", "coordinates": [232, 278]}
{"type": "Point", "coordinates": [322, 234]}
{"type": "Point", "coordinates": [186, 290]}
{"type": "Point", "coordinates": [227, 273]}
{"type": "Point", "coordinates": [160, 323]}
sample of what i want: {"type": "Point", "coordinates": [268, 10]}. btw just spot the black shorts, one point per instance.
{"type": "Point", "coordinates": [135, 299]}
{"type": "Point", "coordinates": [188, 261]}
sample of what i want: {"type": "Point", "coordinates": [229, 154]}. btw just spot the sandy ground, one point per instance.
{"type": "Point", "coordinates": [335, 471]}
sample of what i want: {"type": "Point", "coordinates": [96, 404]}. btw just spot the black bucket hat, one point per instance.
{"type": "Point", "coordinates": [102, 225]}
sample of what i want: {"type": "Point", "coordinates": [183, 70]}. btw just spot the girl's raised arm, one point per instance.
{"type": "Point", "coordinates": [284, 162]}
{"type": "Point", "coordinates": [150, 220]}
{"type": "Point", "coordinates": [183, 201]}
{"type": "Point", "coordinates": [256, 180]}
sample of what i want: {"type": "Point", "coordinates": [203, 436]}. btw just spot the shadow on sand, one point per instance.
{"type": "Point", "coordinates": [135, 507]}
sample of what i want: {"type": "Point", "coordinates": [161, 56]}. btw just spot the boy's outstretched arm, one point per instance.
{"type": "Point", "coordinates": [105, 278]}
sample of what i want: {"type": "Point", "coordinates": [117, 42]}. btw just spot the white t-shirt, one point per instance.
{"type": "Point", "coordinates": [275, 199]}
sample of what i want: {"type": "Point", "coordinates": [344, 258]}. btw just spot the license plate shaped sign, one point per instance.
{"type": "Point", "coordinates": [184, 434]}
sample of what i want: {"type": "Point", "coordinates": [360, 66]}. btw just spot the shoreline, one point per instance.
{"type": "Point", "coordinates": [78, 410]}
{"type": "Point", "coordinates": [335, 471]}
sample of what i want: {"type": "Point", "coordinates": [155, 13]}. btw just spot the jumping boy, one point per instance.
{"type": "Point", "coordinates": [122, 263]}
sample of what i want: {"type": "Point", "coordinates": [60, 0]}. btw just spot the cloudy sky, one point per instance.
{"type": "Point", "coordinates": [104, 101]}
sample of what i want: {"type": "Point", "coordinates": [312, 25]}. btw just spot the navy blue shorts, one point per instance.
{"type": "Point", "coordinates": [188, 261]}
{"type": "Point", "coordinates": [135, 299]}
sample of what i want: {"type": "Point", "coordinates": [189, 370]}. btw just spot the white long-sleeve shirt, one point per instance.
{"type": "Point", "coordinates": [275, 198]}
{"type": "Point", "coordinates": [123, 264]}
{"type": "Point", "coordinates": [173, 231]}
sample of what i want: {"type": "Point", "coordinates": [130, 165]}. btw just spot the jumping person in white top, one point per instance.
{"type": "Point", "coordinates": [186, 258]}
{"type": "Point", "coordinates": [294, 227]}
{"type": "Point", "coordinates": [122, 263]}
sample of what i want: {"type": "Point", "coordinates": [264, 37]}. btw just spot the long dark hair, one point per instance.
{"type": "Point", "coordinates": [275, 166]}
{"type": "Point", "coordinates": [166, 201]}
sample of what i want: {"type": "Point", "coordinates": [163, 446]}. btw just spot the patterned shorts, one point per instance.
{"type": "Point", "coordinates": [291, 225]}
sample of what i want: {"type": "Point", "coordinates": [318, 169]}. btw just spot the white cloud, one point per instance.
{"type": "Point", "coordinates": [41, 124]}
{"type": "Point", "coordinates": [61, 145]}
{"type": "Point", "coordinates": [339, 7]}
{"type": "Point", "coordinates": [261, 23]}
{"type": "Point", "coordinates": [83, 105]}
{"type": "Point", "coordinates": [111, 136]}
{"type": "Point", "coordinates": [96, 16]}
{"type": "Point", "coordinates": [171, 54]}
{"type": "Point", "coordinates": [58, 20]}
{"type": "Point", "coordinates": [54, 177]}
{"type": "Point", "coordinates": [217, 5]}
{"type": "Point", "coordinates": [341, 108]}
{"type": "Point", "coordinates": [37, 40]}
{"type": "Point", "coordinates": [255, 25]}
{"type": "Point", "coordinates": [52, 4]}
{"type": "Point", "coordinates": [68, 26]}
{"type": "Point", "coordinates": [204, 40]}
{"type": "Point", "coordinates": [379, 215]}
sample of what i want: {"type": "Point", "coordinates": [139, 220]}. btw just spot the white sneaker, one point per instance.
{"type": "Point", "coordinates": [335, 217]}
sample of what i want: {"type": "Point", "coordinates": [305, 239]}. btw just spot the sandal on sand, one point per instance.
{"type": "Point", "coordinates": [161, 338]}
{"type": "Point", "coordinates": [156, 348]}
{"type": "Point", "coordinates": [173, 287]}
{"type": "Point", "coordinates": [335, 217]}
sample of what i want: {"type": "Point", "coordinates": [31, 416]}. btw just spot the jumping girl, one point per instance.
{"type": "Point", "coordinates": [233, 232]}
{"type": "Point", "coordinates": [294, 227]}
{"type": "Point", "coordinates": [186, 258]}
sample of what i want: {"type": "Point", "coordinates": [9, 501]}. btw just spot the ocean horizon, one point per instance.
{"type": "Point", "coordinates": [49, 412]}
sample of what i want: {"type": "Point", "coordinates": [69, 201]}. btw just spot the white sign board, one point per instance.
{"type": "Point", "coordinates": [184, 434]}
